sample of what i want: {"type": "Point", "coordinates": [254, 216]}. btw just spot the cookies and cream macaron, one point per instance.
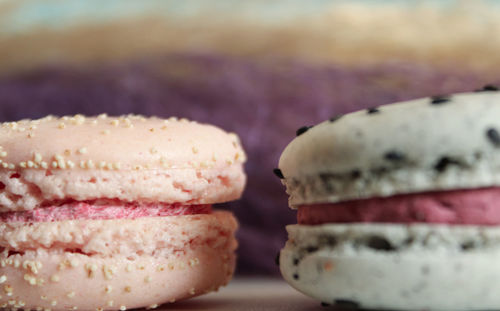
{"type": "Point", "coordinates": [115, 213]}
{"type": "Point", "coordinates": [398, 205]}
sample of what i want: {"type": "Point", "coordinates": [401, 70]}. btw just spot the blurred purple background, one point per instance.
{"type": "Point", "coordinates": [263, 101]}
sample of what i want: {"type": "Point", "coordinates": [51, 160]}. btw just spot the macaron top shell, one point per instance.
{"type": "Point", "coordinates": [437, 143]}
{"type": "Point", "coordinates": [53, 160]}
{"type": "Point", "coordinates": [128, 142]}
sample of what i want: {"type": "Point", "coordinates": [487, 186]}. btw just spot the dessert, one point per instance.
{"type": "Point", "coordinates": [248, 67]}
{"type": "Point", "coordinates": [397, 205]}
{"type": "Point", "coordinates": [115, 213]}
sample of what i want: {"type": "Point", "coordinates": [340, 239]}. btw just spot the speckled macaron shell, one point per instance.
{"type": "Point", "coordinates": [115, 264]}
{"type": "Point", "coordinates": [395, 267]}
{"type": "Point", "coordinates": [130, 158]}
{"type": "Point", "coordinates": [116, 143]}
{"type": "Point", "coordinates": [437, 143]}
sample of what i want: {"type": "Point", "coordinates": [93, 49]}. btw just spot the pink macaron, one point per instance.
{"type": "Point", "coordinates": [105, 213]}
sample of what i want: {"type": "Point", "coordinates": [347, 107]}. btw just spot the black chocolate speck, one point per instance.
{"type": "Point", "coordinates": [444, 162]}
{"type": "Point", "coordinates": [302, 130]}
{"type": "Point", "coordinates": [335, 118]}
{"type": "Point", "coordinates": [277, 259]}
{"type": "Point", "coordinates": [467, 245]}
{"type": "Point", "coordinates": [346, 303]}
{"type": "Point", "coordinates": [372, 110]}
{"type": "Point", "coordinates": [488, 88]}
{"type": "Point", "coordinates": [493, 136]}
{"type": "Point", "coordinates": [440, 99]}
{"type": "Point", "coordinates": [380, 243]}
{"type": "Point", "coordinates": [295, 276]}
{"type": "Point", "coordinates": [312, 249]}
{"type": "Point", "coordinates": [394, 156]}
{"type": "Point", "coordinates": [278, 173]}
{"type": "Point", "coordinates": [355, 174]}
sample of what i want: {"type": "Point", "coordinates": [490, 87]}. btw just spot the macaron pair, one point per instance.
{"type": "Point", "coordinates": [105, 213]}
{"type": "Point", "coordinates": [397, 206]}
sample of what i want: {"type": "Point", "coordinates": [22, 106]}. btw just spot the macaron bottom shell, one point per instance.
{"type": "Point", "coordinates": [395, 267]}
{"type": "Point", "coordinates": [120, 277]}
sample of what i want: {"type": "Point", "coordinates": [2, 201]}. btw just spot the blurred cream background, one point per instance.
{"type": "Point", "coordinates": [443, 32]}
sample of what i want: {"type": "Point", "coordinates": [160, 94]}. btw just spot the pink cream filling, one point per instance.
{"type": "Point", "coordinates": [108, 210]}
{"type": "Point", "coordinates": [459, 207]}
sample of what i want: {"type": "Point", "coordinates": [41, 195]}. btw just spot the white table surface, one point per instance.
{"type": "Point", "coordinates": [250, 294]}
